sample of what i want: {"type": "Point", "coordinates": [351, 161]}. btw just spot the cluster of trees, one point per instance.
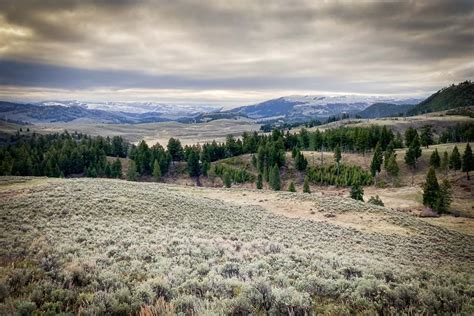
{"type": "Point", "coordinates": [339, 175]}
{"type": "Point", "coordinates": [453, 161]}
{"type": "Point", "coordinates": [437, 197]}
{"type": "Point", "coordinates": [62, 154]}
{"type": "Point", "coordinates": [231, 175]}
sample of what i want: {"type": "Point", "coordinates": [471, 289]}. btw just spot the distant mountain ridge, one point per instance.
{"type": "Point", "coordinates": [294, 108]}
{"type": "Point", "coordinates": [377, 110]}
{"type": "Point", "coordinates": [451, 97]}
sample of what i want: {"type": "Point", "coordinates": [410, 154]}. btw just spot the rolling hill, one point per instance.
{"type": "Point", "coordinates": [454, 96]}
{"type": "Point", "coordinates": [378, 110]}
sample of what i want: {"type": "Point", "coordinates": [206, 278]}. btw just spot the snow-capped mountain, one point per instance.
{"type": "Point", "coordinates": [297, 107]}
{"type": "Point", "coordinates": [165, 110]}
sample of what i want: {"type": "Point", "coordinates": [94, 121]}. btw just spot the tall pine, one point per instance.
{"type": "Point", "coordinates": [467, 161]}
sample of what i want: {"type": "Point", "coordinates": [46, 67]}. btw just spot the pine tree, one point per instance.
{"type": "Point", "coordinates": [259, 181]}
{"type": "Point", "coordinates": [357, 192]}
{"type": "Point", "coordinates": [445, 163]}
{"type": "Point", "coordinates": [117, 169]}
{"type": "Point", "coordinates": [426, 136]}
{"type": "Point", "coordinates": [435, 159]}
{"type": "Point", "coordinates": [194, 169]}
{"type": "Point", "coordinates": [291, 187]}
{"type": "Point", "coordinates": [431, 189]}
{"type": "Point", "coordinates": [410, 135]}
{"type": "Point", "coordinates": [412, 155]}
{"type": "Point", "coordinates": [455, 162]}
{"type": "Point", "coordinates": [275, 178]}
{"type": "Point", "coordinates": [227, 179]}
{"type": "Point", "coordinates": [377, 160]}
{"type": "Point", "coordinates": [108, 170]}
{"type": "Point", "coordinates": [445, 197]}
{"type": "Point", "coordinates": [392, 167]}
{"type": "Point", "coordinates": [156, 170]}
{"type": "Point", "coordinates": [132, 171]}
{"type": "Point", "coordinates": [306, 188]}
{"type": "Point", "coordinates": [300, 161]}
{"type": "Point", "coordinates": [175, 149]}
{"type": "Point", "coordinates": [205, 166]}
{"type": "Point", "coordinates": [467, 161]}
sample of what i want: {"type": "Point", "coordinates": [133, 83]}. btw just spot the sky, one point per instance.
{"type": "Point", "coordinates": [231, 53]}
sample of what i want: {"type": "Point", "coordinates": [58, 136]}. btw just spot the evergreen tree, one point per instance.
{"type": "Point", "coordinates": [392, 167]}
{"type": "Point", "coordinates": [116, 169]}
{"type": "Point", "coordinates": [410, 135]}
{"type": "Point", "coordinates": [132, 171]}
{"type": "Point", "coordinates": [445, 163]}
{"type": "Point", "coordinates": [108, 170]}
{"type": "Point", "coordinates": [175, 149]}
{"type": "Point", "coordinates": [445, 197]}
{"type": "Point", "coordinates": [227, 179]}
{"type": "Point", "coordinates": [300, 161]}
{"type": "Point", "coordinates": [357, 192]}
{"type": "Point", "coordinates": [377, 160]}
{"type": "Point", "coordinates": [455, 162]}
{"type": "Point", "coordinates": [426, 136]}
{"type": "Point", "coordinates": [156, 170]}
{"type": "Point", "coordinates": [467, 161]}
{"type": "Point", "coordinates": [275, 178]}
{"type": "Point", "coordinates": [294, 152]}
{"type": "Point", "coordinates": [259, 181]}
{"type": "Point", "coordinates": [431, 190]}
{"type": "Point", "coordinates": [412, 155]}
{"type": "Point", "coordinates": [388, 152]}
{"type": "Point", "coordinates": [194, 169]}
{"type": "Point", "coordinates": [291, 187]}
{"type": "Point", "coordinates": [435, 159]}
{"type": "Point", "coordinates": [205, 166]}
{"type": "Point", "coordinates": [306, 188]}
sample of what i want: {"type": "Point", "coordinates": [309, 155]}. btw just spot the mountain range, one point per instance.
{"type": "Point", "coordinates": [289, 109]}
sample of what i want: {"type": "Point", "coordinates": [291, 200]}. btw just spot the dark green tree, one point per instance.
{"type": "Point", "coordinates": [377, 159]}
{"type": "Point", "coordinates": [275, 183]}
{"type": "Point", "coordinates": [156, 170]}
{"type": "Point", "coordinates": [306, 188]}
{"type": "Point", "coordinates": [175, 149]}
{"type": "Point", "coordinates": [426, 136]}
{"type": "Point", "coordinates": [410, 135]}
{"type": "Point", "coordinates": [259, 181]}
{"type": "Point", "coordinates": [194, 169]}
{"type": "Point", "coordinates": [300, 161]}
{"type": "Point", "coordinates": [391, 167]}
{"type": "Point", "coordinates": [467, 161]}
{"type": "Point", "coordinates": [445, 197]}
{"type": "Point", "coordinates": [455, 162]}
{"type": "Point", "coordinates": [132, 172]}
{"type": "Point", "coordinates": [412, 154]}
{"type": "Point", "coordinates": [435, 159]}
{"type": "Point", "coordinates": [337, 154]}
{"type": "Point", "coordinates": [357, 192]}
{"type": "Point", "coordinates": [431, 190]}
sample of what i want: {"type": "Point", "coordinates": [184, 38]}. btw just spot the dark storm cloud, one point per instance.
{"type": "Point", "coordinates": [367, 47]}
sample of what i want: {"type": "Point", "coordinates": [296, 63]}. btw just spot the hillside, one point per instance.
{"type": "Point", "coordinates": [451, 97]}
{"type": "Point", "coordinates": [377, 110]}
{"type": "Point", "coordinates": [110, 246]}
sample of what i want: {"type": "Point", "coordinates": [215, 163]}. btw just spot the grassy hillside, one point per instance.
{"type": "Point", "coordinates": [454, 96]}
{"type": "Point", "coordinates": [385, 109]}
{"type": "Point", "coordinates": [95, 246]}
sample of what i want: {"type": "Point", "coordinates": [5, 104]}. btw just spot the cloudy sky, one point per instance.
{"type": "Point", "coordinates": [230, 52]}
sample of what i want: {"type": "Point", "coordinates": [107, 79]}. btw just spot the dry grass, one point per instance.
{"type": "Point", "coordinates": [96, 246]}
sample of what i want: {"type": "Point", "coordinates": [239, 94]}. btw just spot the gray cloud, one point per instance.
{"type": "Point", "coordinates": [365, 47]}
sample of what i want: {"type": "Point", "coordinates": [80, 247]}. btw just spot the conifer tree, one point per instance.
{"type": "Point", "coordinates": [467, 161]}
{"type": "Point", "coordinates": [445, 197]}
{"type": "Point", "coordinates": [431, 190]}
{"type": "Point", "coordinates": [337, 154]}
{"type": "Point", "coordinates": [275, 178]}
{"type": "Point", "coordinates": [392, 167]}
{"type": "Point", "coordinates": [108, 170]}
{"type": "Point", "coordinates": [156, 170]}
{"type": "Point", "coordinates": [117, 169]}
{"type": "Point", "coordinates": [291, 187]}
{"type": "Point", "coordinates": [426, 136]}
{"type": "Point", "coordinates": [259, 181]}
{"type": "Point", "coordinates": [412, 155]}
{"type": "Point", "coordinates": [455, 162]}
{"type": "Point", "coordinates": [435, 159]}
{"type": "Point", "coordinates": [377, 160]}
{"type": "Point", "coordinates": [194, 169]}
{"type": "Point", "coordinates": [357, 192]}
{"type": "Point", "coordinates": [306, 188]}
{"type": "Point", "coordinates": [300, 161]}
{"type": "Point", "coordinates": [132, 171]}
